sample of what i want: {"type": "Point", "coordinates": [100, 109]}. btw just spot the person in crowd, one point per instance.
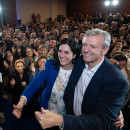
{"type": "Point", "coordinates": [64, 35]}
{"type": "Point", "coordinates": [114, 29]}
{"type": "Point", "coordinates": [81, 35]}
{"type": "Point", "coordinates": [9, 62]}
{"type": "Point", "coordinates": [19, 51]}
{"type": "Point", "coordinates": [38, 20]}
{"type": "Point", "coordinates": [97, 103]}
{"type": "Point", "coordinates": [128, 40]}
{"type": "Point", "coordinates": [2, 116]}
{"type": "Point", "coordinates": [122, 33]}
{"type": "Point", "coordinates": [38, 43]}
{"type": "Point", "coordinates": [117, 47]}
{"type": "Point", "coordinates": [3, 73]}
{"type": "Point", "coordinates": [9, 66]}
{"type": "Point", "coordinates": [40, 66]}
{"type": "Point", "coordinates": [19, 80]}
{"type": "Point", "coordinates": [29, 58]}
{"type": "Point", "coordinates": [9, 42]}
{"type": "Point", "coordinates": [114, 62]}
{"type": "Point", "coordinates": [23, 40]}
{"type": "Point", "coordinates": [122, 59]}
{"type": "Point", "coordinates": [42, 51]}
{"type": "Point", "coordinates": [33, 35]}
{"type": "Point", "coordinates": [34, 18]}
{"type": "Point", "coordinates": [52, 44]}
{"type": "Point", "coordinates": [126, 49]}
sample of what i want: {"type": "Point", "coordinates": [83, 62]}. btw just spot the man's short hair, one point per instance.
{"type": "Point", "coordinates": [96, 32]}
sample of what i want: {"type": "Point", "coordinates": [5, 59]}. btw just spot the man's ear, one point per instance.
{"type": "Point", "coordinates": [105, 51]}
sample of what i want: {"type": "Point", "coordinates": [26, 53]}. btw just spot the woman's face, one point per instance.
{"type": "Point", "coordinates": [122, 64]}
{"type": "Point", "coordinates": [43, 51]}
{"type": "Point", "coordinates": [19, 67]}
{"type": "Point", "coordinates": [65, 56]}
{"type": "Point", "coordinates": [41, 63]}
{"type": "Point", "coordinates": [29, 52]}
{"type": "Point", "coordinates": [9, 57]}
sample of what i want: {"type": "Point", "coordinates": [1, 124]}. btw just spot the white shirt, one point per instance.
{"type": "Point", "coordinates": [56, 102]}
{"type": "Point", "coordinates": [82, 85]}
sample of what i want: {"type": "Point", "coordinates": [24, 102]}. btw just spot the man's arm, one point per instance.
{"type": "Point", "coordinates": [105, 111]}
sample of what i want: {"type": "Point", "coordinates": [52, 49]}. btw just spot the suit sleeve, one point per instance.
{"type": "Point", "coordinates": [105, 110]}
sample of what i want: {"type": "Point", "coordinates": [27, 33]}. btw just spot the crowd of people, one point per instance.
{"type": "Point", "coordinates": [25, 49]}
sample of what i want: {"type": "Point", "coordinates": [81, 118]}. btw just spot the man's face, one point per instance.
{"type": "Point", "coordinates": [8, 38]}
{"type": "Point", "coordinates": [52, 43]}
{"type": "Point", "coordinates": [122, 30]}
{"type": "Point", "coordinates": [15, 41]}
{"type": "Point", "coordinates": [114, 25]}
{"type": "Point", "coordinates": [76, 33]}
{"type": "Point", "coordinates": [22, 36]}
{"type": "Point", "coordinates": [118, 45]}
{"type": "Point", "coordinates": [92, 50]}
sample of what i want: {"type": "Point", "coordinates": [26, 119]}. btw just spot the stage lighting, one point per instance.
{"type": "Point", "coordinates": [107, 3]}
{"type": "Point", "coordinates": [115, 2]}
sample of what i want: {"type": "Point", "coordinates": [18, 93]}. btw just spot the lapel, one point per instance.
{"type": "Point", "coordinates": [69, 92]}
{"type": "Point", "coordinates": [94, 83]}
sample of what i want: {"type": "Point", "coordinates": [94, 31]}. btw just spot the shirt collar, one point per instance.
{"type": "Point", "coordinates": [95, 68]}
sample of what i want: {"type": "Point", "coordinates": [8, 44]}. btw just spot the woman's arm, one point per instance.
{"type": "Point", "coordinates": [19, 107]}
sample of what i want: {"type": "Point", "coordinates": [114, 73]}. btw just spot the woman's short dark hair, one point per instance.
{"type": "Point", "coordinates": [74, 47]}
{"type": "Point", "coordinates": [120, 57]}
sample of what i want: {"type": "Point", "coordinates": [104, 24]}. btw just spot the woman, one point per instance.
{"type": "Point", "coordinates": [9, 65]}
{"type": "Point", "coordinates": [36, 70]}
{"type": "Point", "coordinates": [57, 72]}
{"type": "Point", "coordinates": [122, 59]}
{"type": "Point", "coordinates": [9, 62]}
{"type": "Point", "coordinates": [56, 75]}
{"type": "Point", "coordinates": [19, 80]}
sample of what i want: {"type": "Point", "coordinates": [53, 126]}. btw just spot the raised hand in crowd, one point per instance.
{"type": "Point", "coordinates": [6, 64]}
{"type": "Point", "coordinates": [12, 82]}
{"type": "Point", "coordinates": [33, 69]}
{"type": "Point", "coordinates": [24, 84]}
{"type": "Point", "coordinates": [50, 52]}
{"type": "Point", "coordinates": [19, 50]}
{"type": "Point", "coordinates": [36, 53]}
{"type": "Point", "coordinates": [13, 50]}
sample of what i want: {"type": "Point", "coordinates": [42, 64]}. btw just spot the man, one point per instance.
{"type": "Point", "coordinates": [23, 41]}
{"type": "Point", "coordinates": [95, 92]}
{"type": "Point", "coordinates": [29, 58]}
{"type": "Point", "coordinates": [18, 50]}
{"type": "Point", "coordinates": [51, 46]}
{"type": "Point", "coordinates": [9, 42]}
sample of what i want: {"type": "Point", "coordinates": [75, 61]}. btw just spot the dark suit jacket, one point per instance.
{"type": "Point", "coordinates": [102, 101]}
